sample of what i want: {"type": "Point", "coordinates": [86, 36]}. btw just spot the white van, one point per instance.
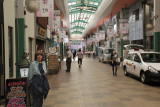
{"type": "Point", "coordinates": [105, 54]}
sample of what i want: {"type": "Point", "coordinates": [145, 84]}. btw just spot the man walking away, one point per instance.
{"type": "Point", "coordinates": [74, 54]}
{"type": "Point", "coordinates": [80, 57]}
{"type": "Point", "coordinates": [68, 60]}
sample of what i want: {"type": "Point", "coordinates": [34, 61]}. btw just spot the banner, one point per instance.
{"type": "Point", "coordinates": [57, 22]}
{"type": "Point", "coordinates": [110, 31]}
{"type": "Point", "coordinates": [102, 35]}
{"type": "Point", "coordinates": [50, 22]}
{"type": "Point", "coordinates": [98, 36]}
{"type": "Point", "coordinates": [124, 26]}
{"type": "Point", "coordinates": [62, 33]}
{"type": "Point", "coordinates": [46, 8]}
{"type": "Point", "coordinates": [65, 39]}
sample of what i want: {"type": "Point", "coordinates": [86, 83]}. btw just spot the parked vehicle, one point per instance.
{"type": "Point", "coordinates": [130, 48]}
{"type": "Point", "coordinates": [144, 65]}
{"type": "Point", "coordinates": [105, 54]}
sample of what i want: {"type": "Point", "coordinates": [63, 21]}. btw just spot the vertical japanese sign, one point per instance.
{"type": "Point", "coordinates": [62, 33]}
{"type": "Point", "coordinates": [65, 39]}
{"type": "Point", "coordinates": [110, 31]}
{"type": "Point", "coordinates": [16, 92]}
{"type": "Point", "coordinates": [124, 26]}
{"type": "Point", "coordinates": [57, 22]}
{"type": "Point", "coordinates": [50, 17]}
{"type": "Point", "coordinates": [98, 37]}
{"type": "Point", "coordinates": [102, 35]}
{"type": "Point", "coordinates": [44, 8]}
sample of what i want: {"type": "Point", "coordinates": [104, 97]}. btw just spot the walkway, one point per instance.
{"type": "Point", "coordinates": [94, 86]}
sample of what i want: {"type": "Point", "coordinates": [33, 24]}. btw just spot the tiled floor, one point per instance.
{"type": "Point", "coordinates": [94, 86]}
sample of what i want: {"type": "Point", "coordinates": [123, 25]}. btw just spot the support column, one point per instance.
{"type": "Point", "coordinates": [122, 47]}
{"type": "Point", "coordinates": [19, 33]}
{"type": "Point", "coordinates": [157, 25]}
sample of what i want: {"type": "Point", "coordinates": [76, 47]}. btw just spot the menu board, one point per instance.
{"type": "Point", "coordinates": [53, 64]}
{"type": "Point", "coordinates": [16, 92]}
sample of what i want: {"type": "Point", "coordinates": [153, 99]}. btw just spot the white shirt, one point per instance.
{"type": "Point", "coordinates": [69, 54]}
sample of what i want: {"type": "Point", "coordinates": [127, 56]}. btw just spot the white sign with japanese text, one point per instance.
{"type": "Point", "coordinates": [46, 8]}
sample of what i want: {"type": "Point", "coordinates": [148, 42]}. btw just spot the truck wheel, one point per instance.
{"type": "Point", "coordinates": [143, 78]}
{"type": "Point", "coordinates": [125, 71]}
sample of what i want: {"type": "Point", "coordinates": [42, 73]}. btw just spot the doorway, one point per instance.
{"type": "Point", "coordinates": [2, 63]}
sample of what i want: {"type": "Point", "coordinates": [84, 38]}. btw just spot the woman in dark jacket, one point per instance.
{"type": "Point", "coordinates": [38, 81]}
{"type": "Point", "coordinates": [114, 62]}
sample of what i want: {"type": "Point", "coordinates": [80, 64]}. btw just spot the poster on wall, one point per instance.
{"type": "Point", "coordinates": [45, 9]}
{"type": "Point", "coordinates": [16, 92]}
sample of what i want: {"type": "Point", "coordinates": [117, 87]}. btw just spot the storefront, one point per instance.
{"type": "Point", "coordinates": [2, 66]}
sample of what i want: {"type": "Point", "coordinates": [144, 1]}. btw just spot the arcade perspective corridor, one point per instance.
{"type": "Point", "coordinates": [94, 86]}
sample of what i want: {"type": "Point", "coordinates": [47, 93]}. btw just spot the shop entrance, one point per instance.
{"type": "Point", "coordinates": [2, 66]}
{"type": "Point", "coordinates": [2, 63]}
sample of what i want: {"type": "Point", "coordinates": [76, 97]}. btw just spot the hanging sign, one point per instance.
{"type": "Point", "coordinates": [45, 9]}
{"type": "Point", "coordinates": [98, 36]}
{"type": "Point", "coordinates": [57, 22]}
{"type": "Point", "coordinates": [110, 31]}
{"type": "Point", "coordinates": [124, 26]}
{"type": "Point", "coordinates": [102, 35]}
{"type": "Point", "coordinates": [16, 92]}
{"type": "Point", "coordinates": [50, 22]}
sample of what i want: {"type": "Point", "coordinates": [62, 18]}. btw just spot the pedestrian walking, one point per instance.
{"type": "Point", "coordinates": [80, 57]}
{"type": "Point", "coordinates": [114, 62]}
{"type": "Point", "coordinates": [74, 54]}
{"type": "Point", "coordinates": [68, 60]}
{"type": "Point", "coordinates": [38, 82]}
{"type": "Point", "coordinates": [94, 55]}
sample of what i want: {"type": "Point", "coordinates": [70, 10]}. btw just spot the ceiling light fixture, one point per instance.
{"type": "Point", "coordinates": [85, 7]}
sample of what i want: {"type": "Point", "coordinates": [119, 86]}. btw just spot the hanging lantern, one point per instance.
{"type": "Point", "coordinates": [32, 5]}
{"type": "Point", "coordinates": [149, 26]}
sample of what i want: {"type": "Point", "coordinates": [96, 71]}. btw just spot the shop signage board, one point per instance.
{"type": "Point", "coordinates": [46, 8]}
{"type": "Point", "coordinates": [16, 92]}
{"type": "Point", "coordinates": [42, 31]}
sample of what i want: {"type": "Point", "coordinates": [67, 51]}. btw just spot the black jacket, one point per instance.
{"type": "Point", "coordinates": [39, 85]}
